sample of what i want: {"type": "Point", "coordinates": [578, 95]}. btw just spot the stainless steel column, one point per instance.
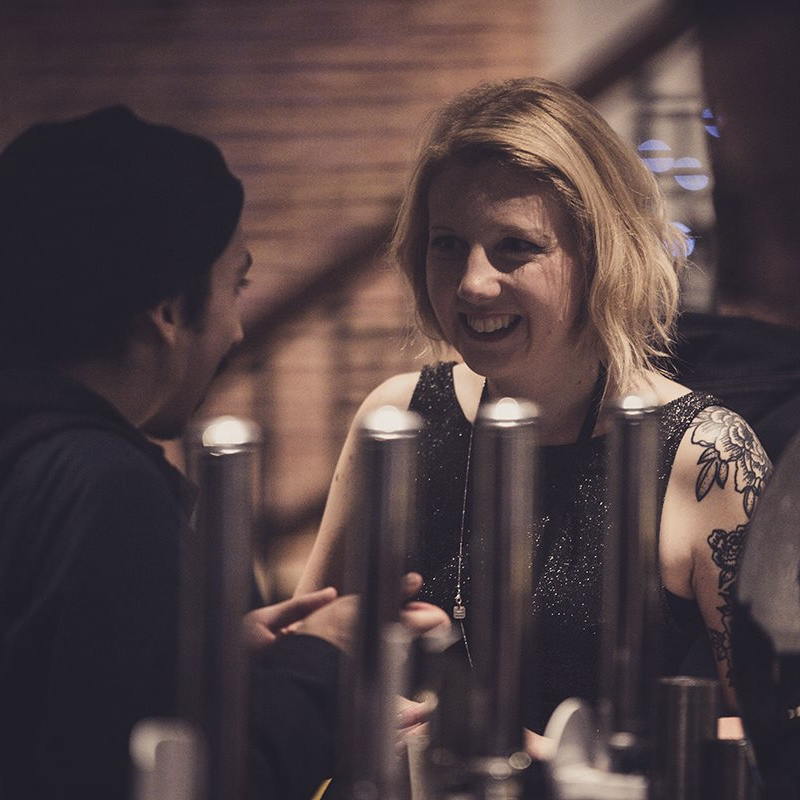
{"type": "Point", "coordinates": [223, 460]}
{"type": "Point", "coordinates": [687, 712]}
{"type": "Point", "coordinates": [376, 548]}
{"type": "Point", "coordinates": [476, 749]}
{"type": "Point", "coordinates": [630, 640]}
{"type": "Point", "coordinates": [503, 489]}
{"type": "Point", "coordinates": [729, 770]}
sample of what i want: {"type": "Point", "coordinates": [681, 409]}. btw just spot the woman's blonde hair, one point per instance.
{"type": "Point", "coordinates": [630, 252]}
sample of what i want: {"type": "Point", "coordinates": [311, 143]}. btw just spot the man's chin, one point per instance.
{"type": "Point", "coordinates": [165, 426]}
{"type": "Point", "coordinates": [163, 430]}
{"type": "Point", "coordinates": [173, 418]}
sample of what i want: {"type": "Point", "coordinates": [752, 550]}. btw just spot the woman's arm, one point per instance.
{"type": "Point", "coordinates": [719, 474]}
{"type": "Point", "coordinates": [325, 565]}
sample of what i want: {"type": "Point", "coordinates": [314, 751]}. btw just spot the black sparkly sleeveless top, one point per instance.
{"type": "Point", "coordinates": [567, 601]}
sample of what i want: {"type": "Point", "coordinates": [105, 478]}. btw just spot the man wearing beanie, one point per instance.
{"type": "Point", "coordinates": [121, 260]}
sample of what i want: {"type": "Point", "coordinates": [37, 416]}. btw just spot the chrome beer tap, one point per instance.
{"type": "Point", "coordinates": [375, 562]}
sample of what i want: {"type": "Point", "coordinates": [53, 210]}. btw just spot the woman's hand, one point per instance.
{"type": "Point", "coordinates": [417, 616]}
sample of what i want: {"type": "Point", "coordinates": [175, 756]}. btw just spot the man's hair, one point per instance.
{"type": "Point", "coordinates": [102, 217]}
{"type": "Point", "coordinates": [630, 253]}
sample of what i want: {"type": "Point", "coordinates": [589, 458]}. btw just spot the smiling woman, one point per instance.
{"type": "Point", "coordinates": [535, 243]}
{"type": "Point", "coordinates": [503, 277]}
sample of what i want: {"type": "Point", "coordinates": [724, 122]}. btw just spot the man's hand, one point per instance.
{"type": "Point", "coordinates": [324, 614]}
{"type": "Point", "coordinates": [413, 716]}
{"type": "Point", "coordinates": [263, 626]}
{"type": "Point", "coordinates": [335, 623]}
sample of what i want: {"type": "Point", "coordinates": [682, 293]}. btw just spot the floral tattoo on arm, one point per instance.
{"type": "Point", "coordinates": [730, 451]}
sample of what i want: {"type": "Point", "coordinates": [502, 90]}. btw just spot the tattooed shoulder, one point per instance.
{"type": "Point", "coordinates": [730, 455]}
{"type": "Point", "coordinates": [730, 447]}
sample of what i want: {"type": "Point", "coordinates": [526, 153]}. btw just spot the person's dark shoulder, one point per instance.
{"type": "Point", "coordinates": [91, 482]}
{"type": "Point", "coordinates": [87, 516]}
{"type": "Point", "coordinates": [90, 458]}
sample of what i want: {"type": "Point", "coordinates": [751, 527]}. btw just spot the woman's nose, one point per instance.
{"type": "Point", "coordinates": [480, 281]}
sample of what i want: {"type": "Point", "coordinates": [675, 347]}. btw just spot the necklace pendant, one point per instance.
{"type": "Point", "coordinates": [459, 611]}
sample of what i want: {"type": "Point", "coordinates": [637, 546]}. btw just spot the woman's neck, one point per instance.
{"type": "Point", "coordinates": [564, 399]}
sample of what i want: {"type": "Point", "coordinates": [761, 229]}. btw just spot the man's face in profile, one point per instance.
{"type": "Point", "coordinates": [202, 347]}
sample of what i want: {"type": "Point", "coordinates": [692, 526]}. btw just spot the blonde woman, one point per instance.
{"type": "Point", "coordinates": [535, 244]}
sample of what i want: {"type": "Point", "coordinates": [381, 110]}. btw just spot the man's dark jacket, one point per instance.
{"type": "Point", "coordinates": [92, 522]}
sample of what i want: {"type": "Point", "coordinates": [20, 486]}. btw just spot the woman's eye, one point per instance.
{"type": "Point", "coordinates": [444, 244]}
{"type": "Point", "coordinates": [521, 247]}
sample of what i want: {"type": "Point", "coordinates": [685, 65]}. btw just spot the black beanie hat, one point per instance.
{"type": "Point", "coordinates": [101, 217]}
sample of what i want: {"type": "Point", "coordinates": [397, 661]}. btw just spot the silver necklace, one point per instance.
{"type": "Point", "coordinates": [459, 609]}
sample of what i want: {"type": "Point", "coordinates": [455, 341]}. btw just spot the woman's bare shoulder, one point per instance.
{"type": "Point", "coordinates": [394, 391]}
{"type": "Point", "coordinates": [663, 389]}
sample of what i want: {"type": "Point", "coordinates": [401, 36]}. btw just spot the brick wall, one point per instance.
{"type": "Point", "coordinates": [315, 104]}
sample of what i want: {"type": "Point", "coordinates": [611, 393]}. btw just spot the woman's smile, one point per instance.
{"type": "Point", "coordinates": [491, 325]}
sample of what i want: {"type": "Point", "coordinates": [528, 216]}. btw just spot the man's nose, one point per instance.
{"type": "Point", "coordinates": [238, 331]}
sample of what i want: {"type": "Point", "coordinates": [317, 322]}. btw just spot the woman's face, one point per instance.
{"type": "Point", "coordinates": [502, 271]}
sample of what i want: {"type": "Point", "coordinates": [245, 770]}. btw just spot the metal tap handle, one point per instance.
{"type": "Point", "coordinates": [630, 644]}
{"type": "Point", "coordinates": [687, 724]}
{"type": "Point", "coordinates": [223, 458]}
{"type": "Point", "coordinates": [503, 489]}
{"type": "Point", "coordinates": [376, 549]}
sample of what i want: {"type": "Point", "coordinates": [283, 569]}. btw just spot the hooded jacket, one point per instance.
{"type": "Point", "coordinates": [92, 522]}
